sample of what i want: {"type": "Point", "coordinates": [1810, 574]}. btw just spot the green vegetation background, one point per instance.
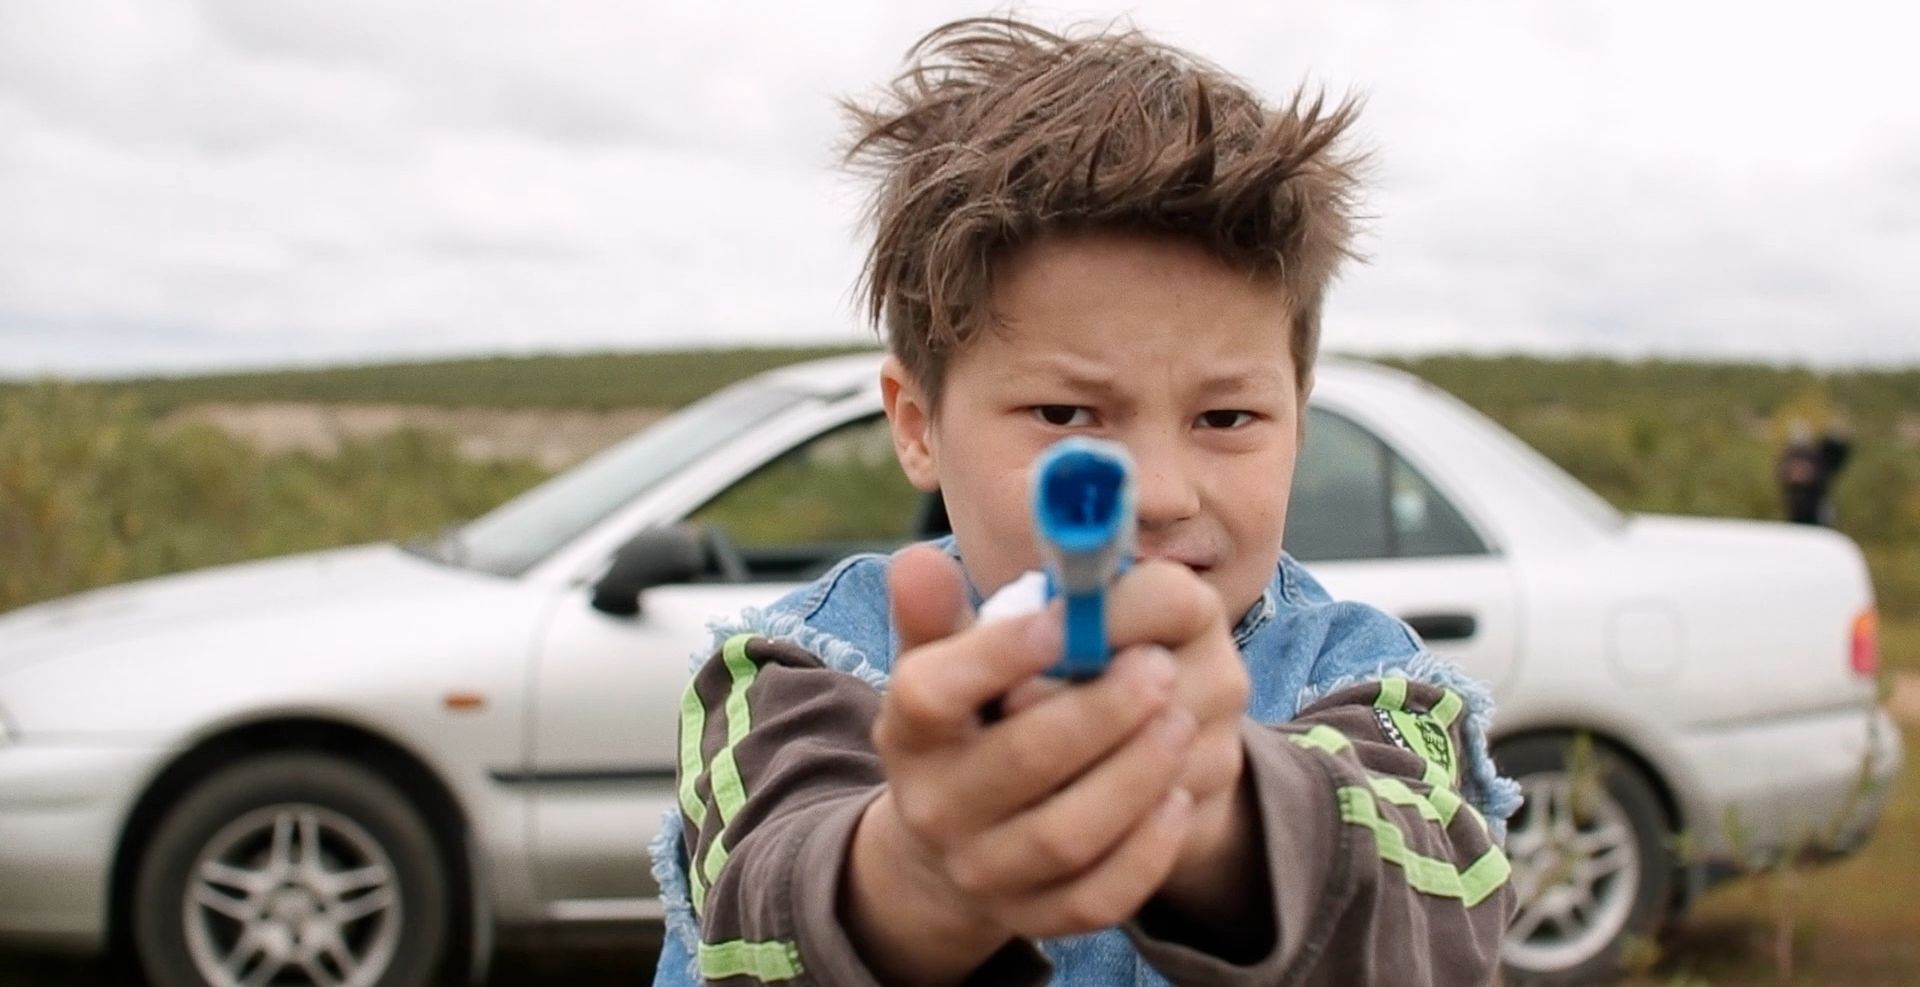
{"type": "Point", "coordinates": [92, 492]}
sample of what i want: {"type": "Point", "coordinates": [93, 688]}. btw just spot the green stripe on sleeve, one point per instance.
{"type": "Point", "coordinates": [716, 857]}
{"type": "Point", "coordinates": [777, 959]}
{"type": "Point", "coordinates": [1484, 876]}
{"type": "Point", "coordinates": [1447, 802]}
{"type": "Point", "coordinates": [1440, 803]}
{"type": "Point", "coordinates": [696, 888]}
{"type": "Point", "coordinates": [1321, 737]}
{"type": "Point", "coordinates": [693, 724]}
{"type": "Point", "coordinates": [1448, 708]}
{"type": "Point", "coordinates": [1396, 792]}
{"type": "Point", "coordinates": [1393, 694]}
{"type": "Point", "coordinates": [729, 792]}
{"type": "Point", "coordinates": [1425, 874]}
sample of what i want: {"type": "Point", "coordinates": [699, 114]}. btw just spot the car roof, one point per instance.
{"type": "Point", "coordinates": [841, 376]}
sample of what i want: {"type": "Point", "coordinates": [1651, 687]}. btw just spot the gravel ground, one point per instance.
{"type": "Point", "coordinates": [601, 961]}
{"type": "Point", "coordinates": [552, 438]}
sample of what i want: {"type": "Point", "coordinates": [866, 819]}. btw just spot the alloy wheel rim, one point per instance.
{"type": "Point", "coordinates": [1576, 872]}
{"type": "Point", "coordinates": [292, 894]}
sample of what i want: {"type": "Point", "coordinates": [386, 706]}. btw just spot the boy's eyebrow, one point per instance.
{"type": "Point", "coordinates": [1237, 381]}
{"type": "Point", "coordinates": [1087, 379]}
{"type": "Point", "coordinates": [1056, 369]}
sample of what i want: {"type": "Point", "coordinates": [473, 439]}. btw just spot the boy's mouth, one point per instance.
{"type": "Point", "coordinates": [1200, 564]}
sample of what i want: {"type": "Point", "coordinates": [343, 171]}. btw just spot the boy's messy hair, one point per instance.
{"type": "Point", "coordinates": [999, 131]}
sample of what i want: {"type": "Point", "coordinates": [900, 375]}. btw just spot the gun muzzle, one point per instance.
{"type": "Point", "coordinates": [1083, 513]}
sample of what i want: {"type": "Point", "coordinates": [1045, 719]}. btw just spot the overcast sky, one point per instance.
{"type": "Point", "coordinates": [197, 185]}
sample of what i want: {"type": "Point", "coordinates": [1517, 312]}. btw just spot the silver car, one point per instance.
{"type": "Point", "coordinates": [357, 766]}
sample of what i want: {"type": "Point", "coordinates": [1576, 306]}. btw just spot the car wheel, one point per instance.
{"type": "Point", "coordinates": [291, 869]}
{"type": "Point", "coordinates": [1591, 862]}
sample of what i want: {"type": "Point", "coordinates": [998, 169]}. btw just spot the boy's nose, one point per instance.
{"type": "Point", "coordinates": [1165, 490]}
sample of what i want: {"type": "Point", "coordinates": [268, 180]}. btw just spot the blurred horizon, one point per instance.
{"type": "Point", "coordinates": [808, 348]}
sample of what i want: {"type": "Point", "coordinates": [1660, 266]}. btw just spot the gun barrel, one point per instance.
{"type": "Point", "coordinates": [1084, 516]}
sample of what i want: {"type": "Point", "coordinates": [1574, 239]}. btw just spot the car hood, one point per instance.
{"type": "Point", "coordinates": [153, 606]}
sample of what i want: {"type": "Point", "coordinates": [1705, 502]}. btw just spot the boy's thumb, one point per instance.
{"type": "Point", "coordinates": [929, 596]}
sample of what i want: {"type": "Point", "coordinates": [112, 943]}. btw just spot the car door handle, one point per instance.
{"type": "Point", "coordinates": [1443, 626]}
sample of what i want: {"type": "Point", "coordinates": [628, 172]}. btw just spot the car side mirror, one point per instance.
{"type": "Point", "coordinates": [654, 557]}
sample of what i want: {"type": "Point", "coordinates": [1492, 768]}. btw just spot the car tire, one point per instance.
{"type": "Point", "coordinates": [1592, 861]}
{"type": "Point", "coordinates": [303, 860]}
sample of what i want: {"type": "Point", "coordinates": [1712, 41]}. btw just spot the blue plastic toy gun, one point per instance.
{"type": "Point", "coordinates": [1083, 514]}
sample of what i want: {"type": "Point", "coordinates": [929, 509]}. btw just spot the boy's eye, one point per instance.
{"type": "Point", "coordinates": [1063, 415]}
{"type": "Point", "coordinates": [1226, 418]}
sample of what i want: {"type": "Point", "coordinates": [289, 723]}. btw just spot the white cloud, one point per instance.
{"type": "Point", "coordinates": [251, 181]}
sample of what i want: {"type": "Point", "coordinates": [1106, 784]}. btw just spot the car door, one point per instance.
{"type": "Point", "coordinates": [1373, 528]}
{"type": "Point", "coordinates": [608, 688]}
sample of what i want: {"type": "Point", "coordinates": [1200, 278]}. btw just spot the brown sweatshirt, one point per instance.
{"type": "Point", "coordinates": [1378, 872]}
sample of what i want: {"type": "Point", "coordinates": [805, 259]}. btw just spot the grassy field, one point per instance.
{"type": "Point", "coordinates": [92, 493]}
{"type": "Point", "coordinates": [1856, 922]}
{"type": "Point", "coordinates": [1900, 644]}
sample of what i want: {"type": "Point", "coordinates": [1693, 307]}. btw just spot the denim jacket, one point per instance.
{"type": "Point", "coordinates": [1299, 644]}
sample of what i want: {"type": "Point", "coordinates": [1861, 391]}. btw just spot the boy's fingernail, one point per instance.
{"type": "Point", "coordinates": [1177, 729]}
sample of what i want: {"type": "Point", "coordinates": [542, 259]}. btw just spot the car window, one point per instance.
{"type": "Point", "coordinates": [840, 493]}
{"type": "Point", "coordinates": [1425, 523]}
{"type": "Point", "coordinates": [524, 530]}
{"type": "Point", "coordinates": [1355, 498]}
{"type": "Point", "coordinates": [1338, 508]}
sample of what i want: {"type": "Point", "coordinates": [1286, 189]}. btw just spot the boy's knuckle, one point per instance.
{"type": "Point", "coordinates": [1036, 761]}
{"type": "Point", "coordinates": [915, 701]}
{"type": "Point", "coordinates": [925, 814]}
{"type": "Point", "coordinates": [1031, 760]}
{"type": "Point", "coordinates": [885, 734]}
{"type": "Point", "coordinates": [1235, 688]}
{"type": "Point", "coordinates": [1030, 920]}
{"type": "Point", "coordinates": [1090, 906]}
{"type": "Point", "coordinates": [1161, 578]}
{"type": "Point", "coordinates": [1215, 767]}
{"type": "Point", "coordinates": [970, 872]}
{"type": "Point", "coordinates": [1196, 605]}
{"type": "Point", "coordinates": [1058, 849]}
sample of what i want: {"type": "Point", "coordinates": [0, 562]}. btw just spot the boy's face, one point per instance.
{"type": "Point", "coordinates": [1148, 341]}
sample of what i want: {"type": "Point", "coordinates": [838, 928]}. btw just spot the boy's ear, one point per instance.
{"type": "Point", "coordinates": [910, 414]}
{"type": "Point", "coordinates": [1300, 412]}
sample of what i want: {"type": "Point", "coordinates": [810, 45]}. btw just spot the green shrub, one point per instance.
{"type": "Point", "coordinates": [92, 492]}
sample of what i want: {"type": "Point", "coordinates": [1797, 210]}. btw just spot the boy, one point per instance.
{"type": "Point", "coordinates": [1094, 235]}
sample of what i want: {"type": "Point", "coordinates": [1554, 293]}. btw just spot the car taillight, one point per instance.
{"type": "Point", "coordinates": [1866, 643]}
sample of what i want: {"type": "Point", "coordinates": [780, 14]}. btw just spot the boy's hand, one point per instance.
{"type": "Point", "coordinates": [1164, 603]}
{"type": "Point", "coordinates": [1061, 818]}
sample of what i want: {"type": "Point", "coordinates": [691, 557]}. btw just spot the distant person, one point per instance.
{"type": "Point", "coordinates": [1807, 470]}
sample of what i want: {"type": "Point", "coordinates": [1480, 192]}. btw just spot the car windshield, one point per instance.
{"type": "Point", "coordinates": [513, 537]}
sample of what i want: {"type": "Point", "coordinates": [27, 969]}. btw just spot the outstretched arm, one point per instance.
{"type": "Point", "coordinates": [1375, 869]}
